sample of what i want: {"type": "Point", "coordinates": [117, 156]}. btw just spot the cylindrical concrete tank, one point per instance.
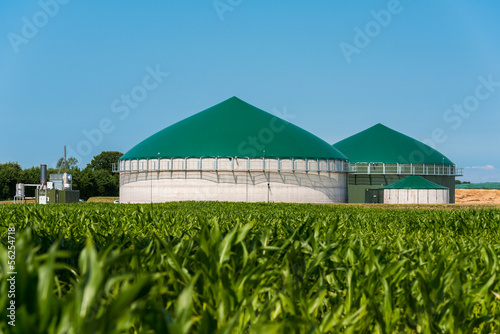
{"type": "Point", "coordinates": [379, 156]}
{"type": "Point", "coordinates": [415, 190]}
{"type": "Point", "coordinates": [233, 152]}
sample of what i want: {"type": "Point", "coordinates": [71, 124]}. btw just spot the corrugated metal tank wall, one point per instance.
{"type": "Point", "coordinates": [416, 196]}
{"type": "Point", "coordinates": [235, 183]}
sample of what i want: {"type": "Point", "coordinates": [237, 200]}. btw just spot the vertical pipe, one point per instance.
{"type": "Point", "coordinates": [65, 165]}
{"type": "Point", "coordinates": [43, 175]}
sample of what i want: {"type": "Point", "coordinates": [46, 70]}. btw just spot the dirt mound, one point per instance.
{"type": "Point", "coordinates": [477, 196]}
{"type": "Point", "coordinates": [102, 199]}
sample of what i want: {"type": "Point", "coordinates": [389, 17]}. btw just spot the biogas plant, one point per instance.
{"type": "Point", "coordinates": [236, 152]}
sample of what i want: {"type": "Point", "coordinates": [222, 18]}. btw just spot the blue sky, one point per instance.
{"type": "Point", "coordinates": [430, 70]}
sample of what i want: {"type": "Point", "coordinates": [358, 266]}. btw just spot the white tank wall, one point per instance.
{"type": "Point", "coordinates": [233, 186]}
{"type": "Point", "coordinates": [416, 196]}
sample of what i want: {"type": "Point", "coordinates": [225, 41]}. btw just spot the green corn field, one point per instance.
{"type": "Point", "coordinates": [197, 267]}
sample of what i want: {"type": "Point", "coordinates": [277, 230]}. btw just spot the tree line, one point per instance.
{"type": "Point", "coordinates": [96, 179]}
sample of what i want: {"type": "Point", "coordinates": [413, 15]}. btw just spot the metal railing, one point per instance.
{"type": "Point", "coordinates": [410, 169]}
{"type": "Point", "coordinates": [231, 165]}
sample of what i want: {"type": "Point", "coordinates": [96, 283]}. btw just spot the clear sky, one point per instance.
{"type": "Point", "coordinates": [104, 75]}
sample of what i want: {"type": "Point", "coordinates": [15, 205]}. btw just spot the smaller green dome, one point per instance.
{"type": "Point", "coordinates": [413, 182]}
{"type": "Point", "coordinates": [380, 144]}
{"type": "Point", "coordinates": [233, 128]}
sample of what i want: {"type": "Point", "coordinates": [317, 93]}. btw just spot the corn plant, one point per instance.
{"type": "Point", "coordinates": [251, 268]}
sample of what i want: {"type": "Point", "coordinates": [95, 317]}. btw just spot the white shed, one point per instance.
{"type": "Point", "coordinates": [415, 189]}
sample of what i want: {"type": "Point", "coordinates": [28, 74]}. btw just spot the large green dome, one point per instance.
{"type": "Point", "coordinates": [233, 128]}
{"type": "Point", "coordinates": [380, 144]}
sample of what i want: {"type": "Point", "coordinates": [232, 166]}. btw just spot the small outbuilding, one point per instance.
{"type": "Point", "coordinates": [414, 189]}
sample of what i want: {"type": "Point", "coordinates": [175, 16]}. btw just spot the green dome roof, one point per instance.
{"type": "Point", "coordinates": [413, 182]}
{"type": "Point", "coordinates": [380, 144]}
{"type": "Point", "coordinates": [233, 128]}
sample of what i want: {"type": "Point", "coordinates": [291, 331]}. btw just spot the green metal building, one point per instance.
{"type": "Point", "coordinates": [55, 196]}
{"type": "Point", "coordinates": [379, 156]}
